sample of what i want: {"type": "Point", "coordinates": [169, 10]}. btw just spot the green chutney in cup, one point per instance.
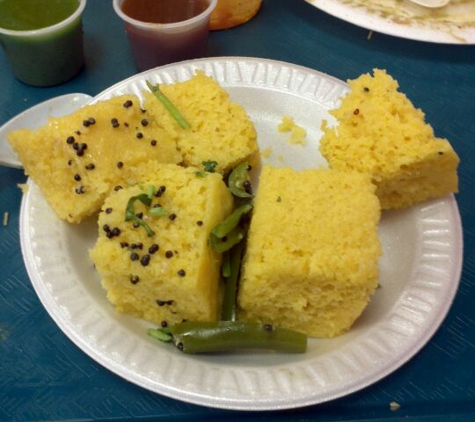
{"type": "Point", "coordinates": [42, 39]}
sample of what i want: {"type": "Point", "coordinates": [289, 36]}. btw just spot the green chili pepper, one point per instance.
{"type": "Point", "coordinates": [161, 334]}
{"type": "Point", "coordinates": [168, 105]}
{"type": "Point", "coordinates": [221, 245]}
{"type": "Point", "coordinates": [226, 336]}
{"type": "Point", "coordinates": [226, 226]}
{"type": "Point", "coordinates": [228, 308]}
{"type": "Point", "coordinates": [226, 264]}
{"type": "Point", "coordinates": [238, 179]}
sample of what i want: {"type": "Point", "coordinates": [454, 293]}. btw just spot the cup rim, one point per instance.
{"type": "Point", "coordinates": [175, 25]}
{"type": "Point", "coordinates": [46, 29]}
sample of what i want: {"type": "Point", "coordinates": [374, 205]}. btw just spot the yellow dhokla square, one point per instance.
{"type": "Point", "coordinates": [172, 274]}
{"type": "Point", "coordinates": [380, 132]}
{"type": "Point", "coordinates": [311, 263]}
{"type": "Point", "coordinates": [220, 131]}
{"type": "Point", "coordinates": [77, 160]}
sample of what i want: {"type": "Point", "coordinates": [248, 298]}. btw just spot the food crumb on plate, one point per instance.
{"type": "Point", "coordinates": [23, 187]}
{"type": "Point", "coordinates": [394, 406]}
{"type": "Point", "coordinates": [298, 133]}
{"type": "Point", "coordinates": [5, 218]}
{"type": "Point", "coordinates": [266, 153]}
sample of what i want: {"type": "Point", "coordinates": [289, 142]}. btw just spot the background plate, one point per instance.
{"type": "Point", "coordinates": [452, 24]}
{"type": "Point", "coordinates": [420, 270]}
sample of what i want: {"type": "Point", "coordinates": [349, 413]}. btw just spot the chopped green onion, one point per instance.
{"type": "Point", "coordinates": [168, 105]}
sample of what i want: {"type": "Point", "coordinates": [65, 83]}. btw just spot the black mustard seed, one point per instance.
{"type": "Point", "coordinates": [145, 260]}
{"type": "Point", "coordinates": [153, 248]}
{"type": "Point", "coordinates": [160, 191]}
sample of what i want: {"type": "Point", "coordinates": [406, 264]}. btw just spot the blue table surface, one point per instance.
{"type": "Point", "coordinates": [44, 376]}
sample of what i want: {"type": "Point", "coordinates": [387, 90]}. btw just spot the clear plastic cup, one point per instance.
{"type": "Point", "coordinates": [47, 56]}
{"type": "Point", "coordinates": [156, 44]}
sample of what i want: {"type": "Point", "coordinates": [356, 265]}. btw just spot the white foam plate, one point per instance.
{"type": "Point", "coordinates": [451, 24]}
{"type": "Point", "coordinates": [420, 270]}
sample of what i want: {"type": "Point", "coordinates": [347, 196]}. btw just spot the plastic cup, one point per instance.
{"type": "Point", "coordinates": [157, 44]}
{"type": "Point", "coordinates": [47, 56]}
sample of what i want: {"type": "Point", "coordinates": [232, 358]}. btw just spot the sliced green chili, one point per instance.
{"type": "Point", "coordinates": [160, 334]}
{"type": "Point", "coordinates": [155, 89]}
{"type": "Point", "coordinates": [225, 243]}
{"type": "Point", "coordinates": [238, 181]}
{"type": "Point", "coordinates": [228, 308]}
{"type": "Point", "coordinates": [225, 336]}
{"type": "Point", "coordinates": [226, 226]}
{"type": "Point", "coordinates": [226, 264]}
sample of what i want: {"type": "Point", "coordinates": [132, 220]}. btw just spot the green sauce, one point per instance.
{"type": "Point", "coordinates": [25, 15]}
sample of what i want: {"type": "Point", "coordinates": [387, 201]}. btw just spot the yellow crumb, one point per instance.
{"type": "Point", "coordinates": [23, 187]}
{"type": "Point", "coordinates": [266, 153]}
{"type": "Point", "coordinates": [394, 406]}
{"type": "Point", "coordinates": [298, 133]}
{"type": "Point", "coordinates": [5, 218]}
{"type": "Point", "coordinates": [286, 124]}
